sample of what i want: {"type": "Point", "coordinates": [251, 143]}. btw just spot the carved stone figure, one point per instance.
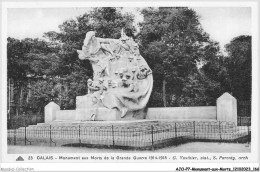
{"type": "Point", "coordinates": [122, 81]}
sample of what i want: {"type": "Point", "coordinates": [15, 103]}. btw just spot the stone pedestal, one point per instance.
{"type": "Point", "coordinates": [65, 115]}
{"type": "Point", "coordinates": [183, 113]}
{"type": "Point", "coordinates": [50, 111]}
{"type": "Point", "coordinates": [97, 114]}
{"type": "Point", "coordinates": [227, 108]}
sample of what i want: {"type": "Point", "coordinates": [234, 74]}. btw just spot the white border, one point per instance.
{"type": "Point", "coordinates": [99, 3]}
{"type": "Point", "coordinates": [253, 156]}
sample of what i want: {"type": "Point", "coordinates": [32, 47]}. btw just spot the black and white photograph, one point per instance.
{"type": "Point", "coordinates": [175, 80]}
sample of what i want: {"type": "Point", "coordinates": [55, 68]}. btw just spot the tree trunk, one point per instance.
{"type": "Point", "coordinates": [29, 93]}
{"type": "Point", "coordinates": [9, 98]}
{"type": "Point", "coordinates": [11, 92]}
{"type": "Point", "coordinates": [21, 100]}
{"type": "Point", "coordinates": [164, 93]}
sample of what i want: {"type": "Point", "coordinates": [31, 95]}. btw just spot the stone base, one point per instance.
{"type": "Point", "coordinates": [66, 115]}
{"type": "Point", "coordinates": [183, 113]}
{"type": "Point", "coordinates": [134, 115]}
{"type": "Point", "coordinates": [84, 101]}
{"type": "Point", "coordinates": [97, 114]}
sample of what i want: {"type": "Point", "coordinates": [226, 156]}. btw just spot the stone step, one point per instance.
{"type": "Point", "coordinates": [199, 127]}
{"type": "Point", "coordinates": [139, 124]}
{"type": "Point", "coordinates": [123, 122]}
{"type": "Point", "coordinates": [202, 126]}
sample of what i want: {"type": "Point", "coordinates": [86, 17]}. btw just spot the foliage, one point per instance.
{"type": "Point", "coordinates": [234, 70]}
{"type": "Point", "coordinates": [239, 66]}
{"type": "Point", "coordinates": [173, 42]}
{"type": "Point", "coordinates": [27, 61]}
{"type": "Point", "coordinates": [28, 56]}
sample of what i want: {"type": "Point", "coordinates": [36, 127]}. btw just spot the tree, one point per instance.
{"type": "Point", "coordinates": [23, 58]}
{"type": "Point", "coordinates": [27, 60]}
{"type": "Point", "coordinates": [234, 70]}
{"type": "Point", "coordinates": [16, 65]}
{"type": "Point", "coordinates": [173, 43]}
{"type": "Point", "coordinates": [239, 67]}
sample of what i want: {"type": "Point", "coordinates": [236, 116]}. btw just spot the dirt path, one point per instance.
{"type": "Point", "coordinates": [187, 148]}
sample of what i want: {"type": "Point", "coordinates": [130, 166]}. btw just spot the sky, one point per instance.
{"type": "Point", "coordinates": [221, 23]}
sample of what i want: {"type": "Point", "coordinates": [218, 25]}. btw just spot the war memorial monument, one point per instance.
{"type": "Point", "coordinates": [114, 112]}
{"type": "Point", "coordinates": [121, 87]}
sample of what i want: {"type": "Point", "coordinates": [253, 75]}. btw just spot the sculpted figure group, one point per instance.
{"type": "Point", "coordinates": [122, 79]}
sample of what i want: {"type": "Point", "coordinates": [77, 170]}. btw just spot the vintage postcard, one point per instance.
{"type": "Point", "coordinates": [107, 85]}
